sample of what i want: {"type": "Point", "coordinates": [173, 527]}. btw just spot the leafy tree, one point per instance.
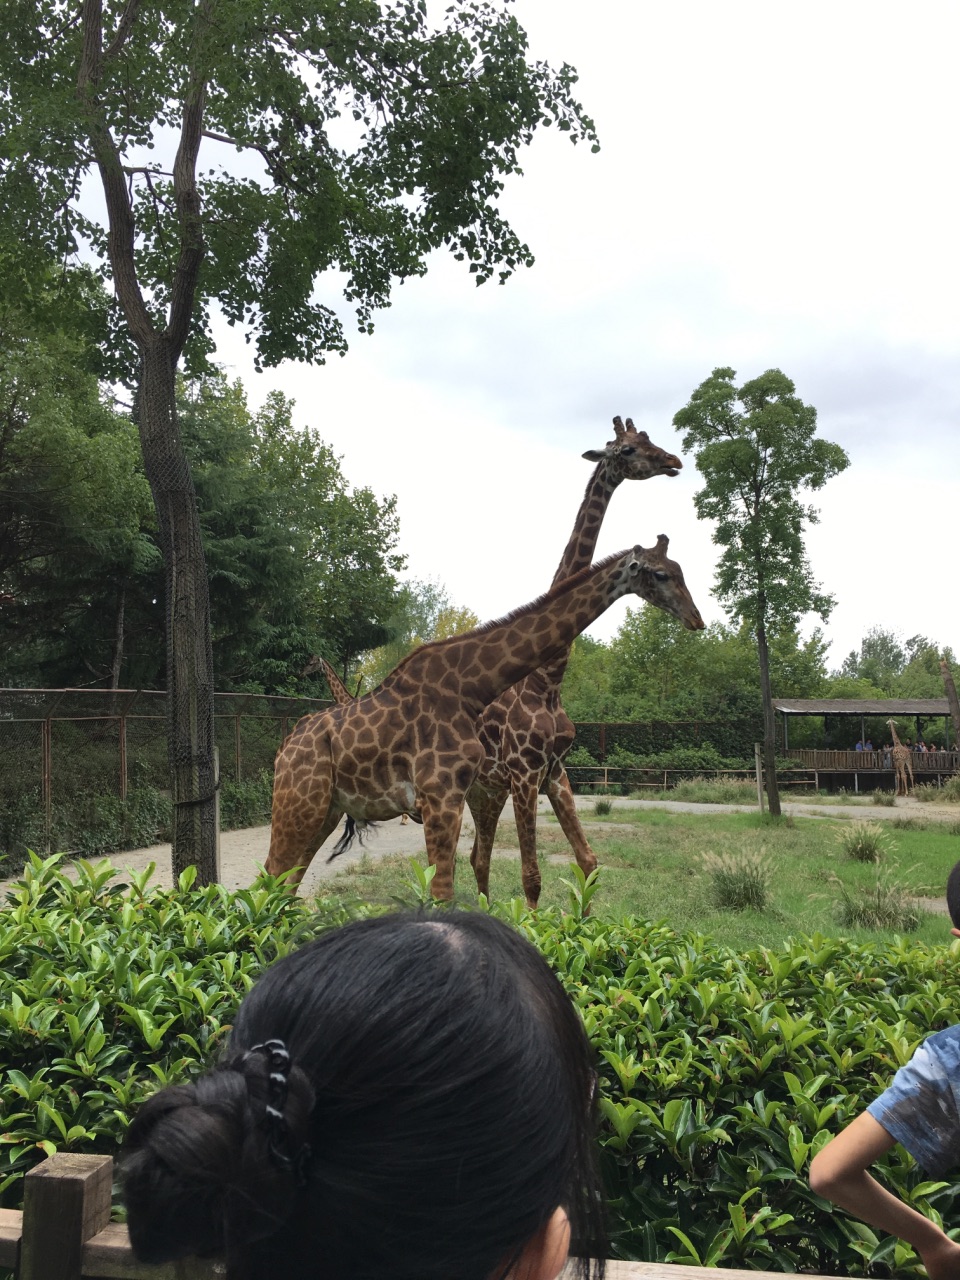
{"type": "Point", "coordinates": [660, 671]}
{"type": "Point", "coordinates": [757, 450]}
{"type": "Point", "coordinates": [74, 507]}
{"type": "Point", "coordinates": [880, 659]}
{"type": "Point", "coordinates": [346, 136]}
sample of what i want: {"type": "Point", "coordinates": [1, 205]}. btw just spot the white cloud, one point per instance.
{"type": "Point", "coordinates": [776, 188]}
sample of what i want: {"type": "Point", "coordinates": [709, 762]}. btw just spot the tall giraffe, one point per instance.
{"type": "Point", "coordinates": [525, 732]}
{"type": "Point", "coordinates": [412, 742]}
{"type": "Point", "coordinates": [902, 763]}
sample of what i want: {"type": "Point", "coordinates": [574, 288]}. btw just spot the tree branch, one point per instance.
{"type": "Point", "coordinates": [120, 237]}
{"type": "Point", "coordinates": [187, 197]}
{"type": "Point", "coordinates": [124, 27]}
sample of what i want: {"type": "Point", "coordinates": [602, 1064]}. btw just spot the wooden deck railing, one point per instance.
{"type": "Point", "coordinates": [64, 1233]}
{"type": "Point", "coordinates": [854, 761]}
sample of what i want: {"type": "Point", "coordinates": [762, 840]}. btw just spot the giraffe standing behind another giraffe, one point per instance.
{"type": "Point", "coordinates": [412, 743]}
{"type": "Point", "coordinates": [525, 732]}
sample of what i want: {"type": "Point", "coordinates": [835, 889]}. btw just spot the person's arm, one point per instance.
{"type": "Point", "coordinates": [839, 1173]}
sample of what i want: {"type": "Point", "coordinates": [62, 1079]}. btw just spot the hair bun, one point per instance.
{"type": "Point", "coordinates": [205, 1168]}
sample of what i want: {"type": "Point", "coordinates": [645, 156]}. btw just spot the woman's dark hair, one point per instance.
{"type": "Point", "coordinates": [437, 1107]}
{"type": "Point", "coordinates": [953, 895]}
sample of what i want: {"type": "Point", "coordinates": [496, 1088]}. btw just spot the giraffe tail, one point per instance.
{"type": "Point", "coordinates": [352, 830]}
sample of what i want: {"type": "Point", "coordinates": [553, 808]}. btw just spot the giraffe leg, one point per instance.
{"type": "Point", "coordinates": [485, 809]}
{"type": "Point", "coordinates": [525, 812]}
{"type": "Point", "coordinates": [301, 819]}
{"type": "Point", "coordinates": [441, 831]}
{"type": "Point", "coordinates": [560, 795]}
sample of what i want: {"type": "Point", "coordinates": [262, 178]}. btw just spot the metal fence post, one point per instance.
{"type": "Point", "coordinates": [46, 734]}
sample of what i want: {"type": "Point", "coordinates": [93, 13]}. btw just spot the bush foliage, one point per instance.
{"type": "Point", "coordinates": [721, 1072]}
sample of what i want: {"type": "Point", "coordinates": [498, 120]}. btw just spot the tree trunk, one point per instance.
{"type": "Point", "coordinates": [769, 726]}
{"type": "Point", "coordinates": [190, 724]}
{"type": "Point", "coordinates": [952, 699]}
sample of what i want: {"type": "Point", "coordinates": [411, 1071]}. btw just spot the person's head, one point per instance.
{"type": "Point", "coordinates": [953, 898]}
{"type": "Point", "coordinates": [436, 1112]}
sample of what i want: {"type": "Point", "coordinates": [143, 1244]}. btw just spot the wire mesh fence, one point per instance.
{"type": "Point", "coordinates": [86, 769]}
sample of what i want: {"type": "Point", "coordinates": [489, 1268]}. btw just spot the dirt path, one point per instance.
{"type": "Point", "coordinates": [242, 852]}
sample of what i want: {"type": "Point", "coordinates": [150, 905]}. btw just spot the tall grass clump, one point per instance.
{"type": "Point", "coordinates": [887, 904]}
{"type": "Point", "coordinates": [885, 798]}
{"type": "Point", "coordinates": [602, 807]}
{"type": "Point", "coordinates": [864, 842]}
{"type": "Point", "coordinates": [701, 790]}
{"type": "Point", "coordinates": [949, 793]}
{"type": "Point", "coordinates": [739, 881]}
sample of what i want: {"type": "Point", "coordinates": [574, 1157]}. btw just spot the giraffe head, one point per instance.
{"type": "Point", "coordinates": [631, 455]}
{"type": "Point", "coordinates": [659, 581]}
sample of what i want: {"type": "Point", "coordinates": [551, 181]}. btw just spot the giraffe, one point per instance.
{"type": "Point", "coordinates": [342, 695]}
{"type": "Point", "coordinates": [525, 732]}
{"type": "Point", "coordinates": [902, 763]}
{"type": "Point", "coordinates": [412, 743]}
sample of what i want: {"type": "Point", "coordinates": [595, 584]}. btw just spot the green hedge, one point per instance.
{"type": "Point", "coordinates": [721, 1072]}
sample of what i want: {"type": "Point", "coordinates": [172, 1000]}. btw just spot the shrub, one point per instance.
{"type": "Point", "coordinates": [714, 791]}
{"type": "Point", "coordinates": [602, 807]}
{"type": "Point", "coordinates": [886, 798]}
{"type": "Point", "coordinates": [885, 905]}
{"type": "Point", "coordinates": [246, 803]}
{"type": "Point", "coordinates": [739, 881]}
{"type": "Point", "coordinates": [720, 1072]}
{"type": "Point", "coordinates": [949, 793]}
{"type": "Point", "coordinates": [580, 756]}
{"type": "Point", "coordinates": [864, 842]}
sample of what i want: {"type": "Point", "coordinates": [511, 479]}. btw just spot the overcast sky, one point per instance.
{"type": "Point", "coordinates": [777, 187]}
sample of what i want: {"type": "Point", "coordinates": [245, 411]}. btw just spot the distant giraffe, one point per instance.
{"type": "Point", "coordinates": [902, 763]}
{"type": "Point", "coordinates": [412, 744]}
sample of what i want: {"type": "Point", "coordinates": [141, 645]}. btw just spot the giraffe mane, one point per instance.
{"type": "Point", "coordinates": [513, 616]}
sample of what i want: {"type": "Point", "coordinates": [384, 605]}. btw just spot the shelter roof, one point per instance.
{"type": "Point", "coordinates": [888, 707]}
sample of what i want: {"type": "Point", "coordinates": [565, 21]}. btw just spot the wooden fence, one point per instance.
{"type": "Point", "coordinates": [601, 776]}
{"type": "Point", "coordinates": [924, 762]}
{"type": "Point", "coordinates": [65, 1233]}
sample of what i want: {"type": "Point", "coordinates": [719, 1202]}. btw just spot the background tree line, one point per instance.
{"type": "Point", "coordinates": [299, 561]}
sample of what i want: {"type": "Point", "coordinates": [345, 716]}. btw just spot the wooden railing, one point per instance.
{"type": "Point", "coordinates": [852, 761]}
{"type": "Point", "coordinates": [637, 777]}
{"type": "Point", "coordinates": [64, 1233]}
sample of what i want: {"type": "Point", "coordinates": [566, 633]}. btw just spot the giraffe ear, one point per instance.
{"type": "Point", "coordinates": [594, 455]}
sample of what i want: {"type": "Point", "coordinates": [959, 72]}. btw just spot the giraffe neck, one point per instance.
{"type": "Point", "coordinates": [580, 548]}
{"type": "Point", "coordinates": [582, 544]}
{"type": "Point", "coordinates": [479, 665]}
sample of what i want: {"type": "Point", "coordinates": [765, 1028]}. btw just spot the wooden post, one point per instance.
{"type": "Point", "coordinates": [953, 701]}
{"type": "Point", "coordinates": [758, 761]}
{"type": "Point", "coordinates": [66, 1201]}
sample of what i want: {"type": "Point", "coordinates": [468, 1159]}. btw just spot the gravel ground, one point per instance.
{"type": "Point", "coordinates": [242, 852]}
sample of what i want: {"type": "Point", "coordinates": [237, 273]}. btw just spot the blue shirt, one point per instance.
{"type": "Point", "coordinates": [921, 1108]}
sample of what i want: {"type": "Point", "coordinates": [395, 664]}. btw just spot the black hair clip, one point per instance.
{"type": "Point", "coordinates": [278, 1082]}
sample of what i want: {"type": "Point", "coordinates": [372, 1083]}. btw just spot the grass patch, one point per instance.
{"type": "Point", "coordinates": [864, 842]}
{"type": "Point", "coordinates": [739, 881]}
{"type": "Point", "coordinates": [602, 807]}
{"type": "Point", "coordinates": [651, 866]}
{"type": "Point", "coordinates": [884, 905]}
